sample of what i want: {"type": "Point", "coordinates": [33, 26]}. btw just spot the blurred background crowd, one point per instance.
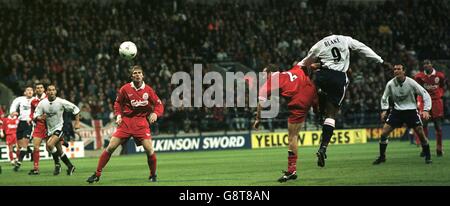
{"type": "Point", "coordinates": [74, 44]}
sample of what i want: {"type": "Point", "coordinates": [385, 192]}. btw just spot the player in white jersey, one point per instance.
{"type": "Point", "coordinates": [51, 110]}
{"type": "Point", "coordinates": [21, 107]}
{"type": "Point", "coordinates": [331, 80]}
{"type": "Point", "coordinates": [403, 91]}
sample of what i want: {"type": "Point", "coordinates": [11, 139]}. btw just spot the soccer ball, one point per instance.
{"type": "Point", "coordinates": [128, 50]}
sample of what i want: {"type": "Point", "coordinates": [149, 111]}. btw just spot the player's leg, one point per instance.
{"type": "Point", "coordinates": [438, 129]}
{"type": "Point", "coordinates": [11, 153]}
{"type": "Point", "coordinates": [424, 143]}
{"type": "Point", "coordinates": [51, 147]}
{"type": "Point", "coordinates": [387, 129]}
{"type": "Point", "coordinates": [64, 158]}
{"type": "Point", "coordinates": [331, 111]}
{"type": "Point", "coordinates": [36, 144]}
{"type": "Point", "coordinates": [105, 156]}
{"type": "Point", "coordinates": [22, 149]}
{"type": "Point", "coordinates": [291, 173]}
{"type": "Point", "coordinates": [151, 158]}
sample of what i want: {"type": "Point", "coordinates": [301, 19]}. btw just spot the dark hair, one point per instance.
{"type": "Point", "coordinates": [426, 61]}
{"type": "Point", "coordinates": [26, 87]}
{"type": "Point", "coordinates": [39, 83]}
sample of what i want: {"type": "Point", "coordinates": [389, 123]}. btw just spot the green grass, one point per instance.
{"type": "Point", "coordinates": [346, 165]}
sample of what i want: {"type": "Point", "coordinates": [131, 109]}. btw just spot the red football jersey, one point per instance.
{"type": "Point", "coordinates": [433, 83]}
{"type": "Point", "coordinates": [34, 104]}
{"type": "Point", "coordinates": [10, 125]}
{"type": "Point", "coordinates": [293, 84]}
{"type": "Point", "coordinates": [137, 102]}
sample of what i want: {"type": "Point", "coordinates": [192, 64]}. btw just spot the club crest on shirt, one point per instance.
{"type": "Point", "coordinates": [145, 96]}
{"type": "Point", "coordinates": [436, 80]}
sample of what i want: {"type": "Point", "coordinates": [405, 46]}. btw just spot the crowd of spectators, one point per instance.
{"type": "Point", "coordinates": [74, 44]}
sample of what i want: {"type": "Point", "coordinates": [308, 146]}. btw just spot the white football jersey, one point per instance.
{"type": "Point", "coordinates": [404, 95]}
{"type": "Point", "coordinates": [334, 52]}
{"type": "Point", "coordinates": [54, 111]}
{"type": "Point", "coordinates": [22, 105]}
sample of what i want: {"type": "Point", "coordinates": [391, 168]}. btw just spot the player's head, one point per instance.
{"type": "Point", "coordinates": [39, 88]}
{"type": "Point", "coordinates": [399, 71]}
{"type": "Point", "coordinates": [137, 73]}
{"type": "Point", "coordinates": [51, 92]}
{"type": "Point", "coordinates": [427, 66]}
{"type": "Point", "coordinates": [28, 92]}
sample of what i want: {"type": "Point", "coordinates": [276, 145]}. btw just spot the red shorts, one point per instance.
{"type": "Point", "coordinates": [300, 104]}
{"type": "Point", "coordinates": [136, 127]}
{"type": "Point", "coordinates": [11, 139]}
{"type": "Point", "coordinates": [297, 116]}
{"type": "Point", "coordinates": [39, 130]}
{"type": "Point", "coordinates": [437, 109]}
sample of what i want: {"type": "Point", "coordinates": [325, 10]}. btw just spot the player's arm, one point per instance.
{"type": "Point", "coordinates": [258, 116]}
{"type": "Point", "coordinates": [118, 105]}
{"type": "Point", "coordinates": [426, 99]}
{"type": "Point", "coordinates": [385, 101]}
{"type": "Point", "coordinates": [363, 49]}
{"type": "Point", "coordinates": [14, 107]}
{"type": "Point", "coordinates": [71, 107]}
{"type": "Point", "coordinates": [39, 112]}
{"type": "Point", "coordinates": [312, 55]}
{"type": "Point", "coordinates": [263, 95]}
{"type": "Point", "coordinates": [1, 129]}
{"type": "Point", "coordinates": [158, 109]}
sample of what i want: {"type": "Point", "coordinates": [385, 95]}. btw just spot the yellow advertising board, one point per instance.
{"type": "Point", "coordinates": [308, 138]}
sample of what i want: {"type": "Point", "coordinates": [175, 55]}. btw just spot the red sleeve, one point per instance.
{"type": "Point", "coordinates": [158, 106]}
{"type": "Point", "coordinates": [119, 102]}
{"type": "Point", "coordinates": [418, 79]}
{"type": "Point", "coordinates": [444, 80]}
{"type": "Point", "coordinates": [420, 103]}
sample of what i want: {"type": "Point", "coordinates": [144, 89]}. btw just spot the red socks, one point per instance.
{"type": "Point", "coordinates": [104, 158]}
{"type": "Point", "coordinates": [292, 163]}
{"type": "Point", "coordinates": [151, 160]}
{"type": "Point", "coordinates": [36, 160]}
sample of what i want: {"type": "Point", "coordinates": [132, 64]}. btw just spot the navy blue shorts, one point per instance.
{"type": "Point", "coordinates": [409, 117]}
{"type": "Point", "coordinates": [332, 85]}
{"type": "Point", "coordinates": [24, 130]}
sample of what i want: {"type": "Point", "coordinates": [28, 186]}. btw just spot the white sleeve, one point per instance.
{"type": "Point", "coordinates": [363, 49]}
{"type": "Point", "coordinates": [385, 98]}
{"type": "Point", "coordinates": [14, 105]}
{"type": "Point", "coordinates": [38, 111]}
{"type": "Point", "coordinates": [422, 92]}
{"type": "Point", "coordinates": [312, 55]}
{"type": "Point", "coordinates": [70, 107]}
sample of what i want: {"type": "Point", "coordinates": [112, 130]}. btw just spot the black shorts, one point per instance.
{"type": "Point", "coordinates": [57, 133]}
{"type": "Point", "coordinates": [24, 130]}
{"type": "Point", "coordinates": [409, 117]}
{"type": "Point", "coordinates": [332, 85]}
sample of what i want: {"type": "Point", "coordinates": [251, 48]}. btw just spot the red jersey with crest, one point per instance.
{"type": "Point", "coordinates": [10, 128]}
{"type": "Point", "coordinates": [137, 102]}
{"type": "Point", "coordinates": [294, 85]}
{"type": "Point", "coordinates": [39, 128]}
{"type": "Point", "coordinates": [433, 83]}
{"type": "Point", "coordinates": [135, 105]}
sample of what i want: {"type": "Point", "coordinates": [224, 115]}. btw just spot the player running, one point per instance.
{"type": "Point", "coordinates": [8, 130]}
{"type": "Point", "coordinates": [435, 83]}
{"type": "Point", "coordinates": [403, 91]}
{"type": "Point", "coordinates": [51, 111]}
{"type": "Point", "coordinates": [300, 92]}
{"type": "Point", "coordinates": [21, 108]}
{"type": "Point", "coordinates": [39, 129]}
{"type": "Point", "coordinates": [136, 106]}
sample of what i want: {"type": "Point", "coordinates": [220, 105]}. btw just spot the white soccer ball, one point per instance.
{"type": "Point", "coordinates": [128, 50]}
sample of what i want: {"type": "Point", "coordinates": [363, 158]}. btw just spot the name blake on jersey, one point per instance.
{"type": "Point", "coordinates": [331, 42]}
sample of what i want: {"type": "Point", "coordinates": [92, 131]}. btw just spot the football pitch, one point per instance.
{"type": "Point", "coordinates": [346, 165]}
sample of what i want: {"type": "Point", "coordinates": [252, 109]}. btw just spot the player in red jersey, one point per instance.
{"type": "Point", "coordinates": [39, 129]}
{"type": "Point", "coordinates": [300, 92]}
{"type": "Point", "coordinates": [136, 106]}
{"type": "Point", "coordinates": [9, 129]}
{"type": "Point", "coordinates": [435, 83]}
